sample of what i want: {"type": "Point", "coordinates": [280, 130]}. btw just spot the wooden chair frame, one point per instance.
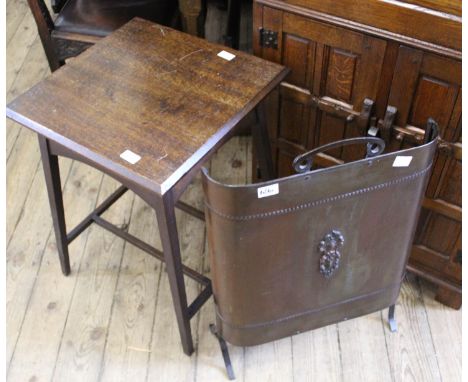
{"type": "Point", "coordinates": [57, 46]}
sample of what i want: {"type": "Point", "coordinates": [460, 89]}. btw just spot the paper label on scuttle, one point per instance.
{"type": "Point", "coordinates": [402, 161]}
{"type": "Point", "coordinates": [270, 190]}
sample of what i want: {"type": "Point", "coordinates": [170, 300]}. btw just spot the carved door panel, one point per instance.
{"type": "Point", "coordinates": [426, 85]}
{"type": "Point", "coordinates": [333, 70]}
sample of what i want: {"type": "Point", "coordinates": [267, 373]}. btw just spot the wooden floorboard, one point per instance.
{"type": "Point", "coordinates": [127, 349]}
{"type": "Point", "coordinates": [22, 149]}
{"type": "Point", "coordinates": [48, 307]}
{"type": "Point", "coordinates": [16, 11]}
{"type": "Point", "coordinates": [34, 69]}
{"type": "Point", "coordinates": [20, 43]}
{"type": "Point", "coordinates": [85, 333]}
{"type": "Point", "coordinates": [363, 350]}
{"type": "Point", "coordinates": [24, 258]}
{"type": "Point", "coordinates": [445, 328]}
{"type": "Point", "coordinates": [112, 318]}
{"type": "Point", "coordinates": [316, 355]}
{"type": "Point", "coordinates": [411, 350]}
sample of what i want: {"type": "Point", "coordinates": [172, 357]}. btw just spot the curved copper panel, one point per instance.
{"type": "Point", "coordinates": [267, 243]}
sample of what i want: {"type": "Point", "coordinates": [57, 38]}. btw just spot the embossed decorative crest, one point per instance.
{"type": "Point", "coordinates": [330, 247]}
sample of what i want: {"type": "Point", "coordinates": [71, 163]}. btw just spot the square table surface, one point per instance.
{"type": "Point", "coordinates": [160, 93]}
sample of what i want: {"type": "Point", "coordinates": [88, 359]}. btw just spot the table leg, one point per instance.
{"type": "Point", "coordinates": [165, 214]}
{"type": "Point", "coordinates": [50, 165]}
{"type": "Point", "coordinates": [261, 141]}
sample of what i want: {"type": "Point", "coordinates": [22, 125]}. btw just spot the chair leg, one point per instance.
{"type": "Point", "coordinates": [391, 318]}
{"type": "Point", "coordinates": [224, 351]}
{"type": "Point", "coordinates": [54, 190]}
{"type": "Point", "coordinates": [45, 25]}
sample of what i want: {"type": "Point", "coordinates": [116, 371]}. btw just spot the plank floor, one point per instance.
{"type": "Point", "coordinates": [112, 318]}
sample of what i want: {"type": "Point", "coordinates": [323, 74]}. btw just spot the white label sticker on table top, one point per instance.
{"type": "Point", "coordinates": [130, 156]}
{"type": "Point", "coordinates": [226, 55]}
{"type": "Point", "coordinates": [270, 190]}
{"type": "Point", "coordinates": [402, 161]}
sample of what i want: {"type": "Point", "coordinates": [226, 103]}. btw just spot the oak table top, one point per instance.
{"type": "Point", "coordinates": [162, 94]}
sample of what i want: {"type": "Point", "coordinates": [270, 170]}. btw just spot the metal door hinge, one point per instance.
{"type": "Point", "coordinates": [268, 38]}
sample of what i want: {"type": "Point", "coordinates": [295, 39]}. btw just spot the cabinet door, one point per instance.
{"type": "Point", "coordinates": [426, 85]}
{"type": "Point", "coordinates": [333, 70]}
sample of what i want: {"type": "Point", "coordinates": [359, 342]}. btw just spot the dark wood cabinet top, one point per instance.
{"type": "Point", "coordinates": [450, 6]}
{"type": "Point", "coordinates": [162, 94]}
{"type": "Point", "coordinates": [429, 24]}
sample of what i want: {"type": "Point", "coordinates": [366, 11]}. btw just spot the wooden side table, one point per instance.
{"type": "Point", "coordinates": [147, 105]}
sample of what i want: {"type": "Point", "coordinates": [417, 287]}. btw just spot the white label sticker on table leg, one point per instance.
{"type": "Point", "coordinates": [402, 161]}
{"type": "Point", "coordinates": [226, 55]}
{"type": "Point", "coordinates": [130, 156]}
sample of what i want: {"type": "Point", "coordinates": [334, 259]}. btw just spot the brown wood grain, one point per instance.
{"type": "Point", "coordinates": [426, 85]}
{"type": "Point", "coordinates": [331, 69]}
{"type": "Point", "coordinates": [336, 62]}
{"type": "Point", "coordinates": [404, 82]}
{"type": "Point", "coordinates": [341, 73]}
{"type": "Point", "coordinates": [450, 6]}
{"type": "Point", "coordinates": [398, 17]}
{"type": "Point", "coordinates": [315, 356]}
{"type": "Point", "coordinates": [170, 100]}
{"type": "Point", "coordinates": [295, 57]}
